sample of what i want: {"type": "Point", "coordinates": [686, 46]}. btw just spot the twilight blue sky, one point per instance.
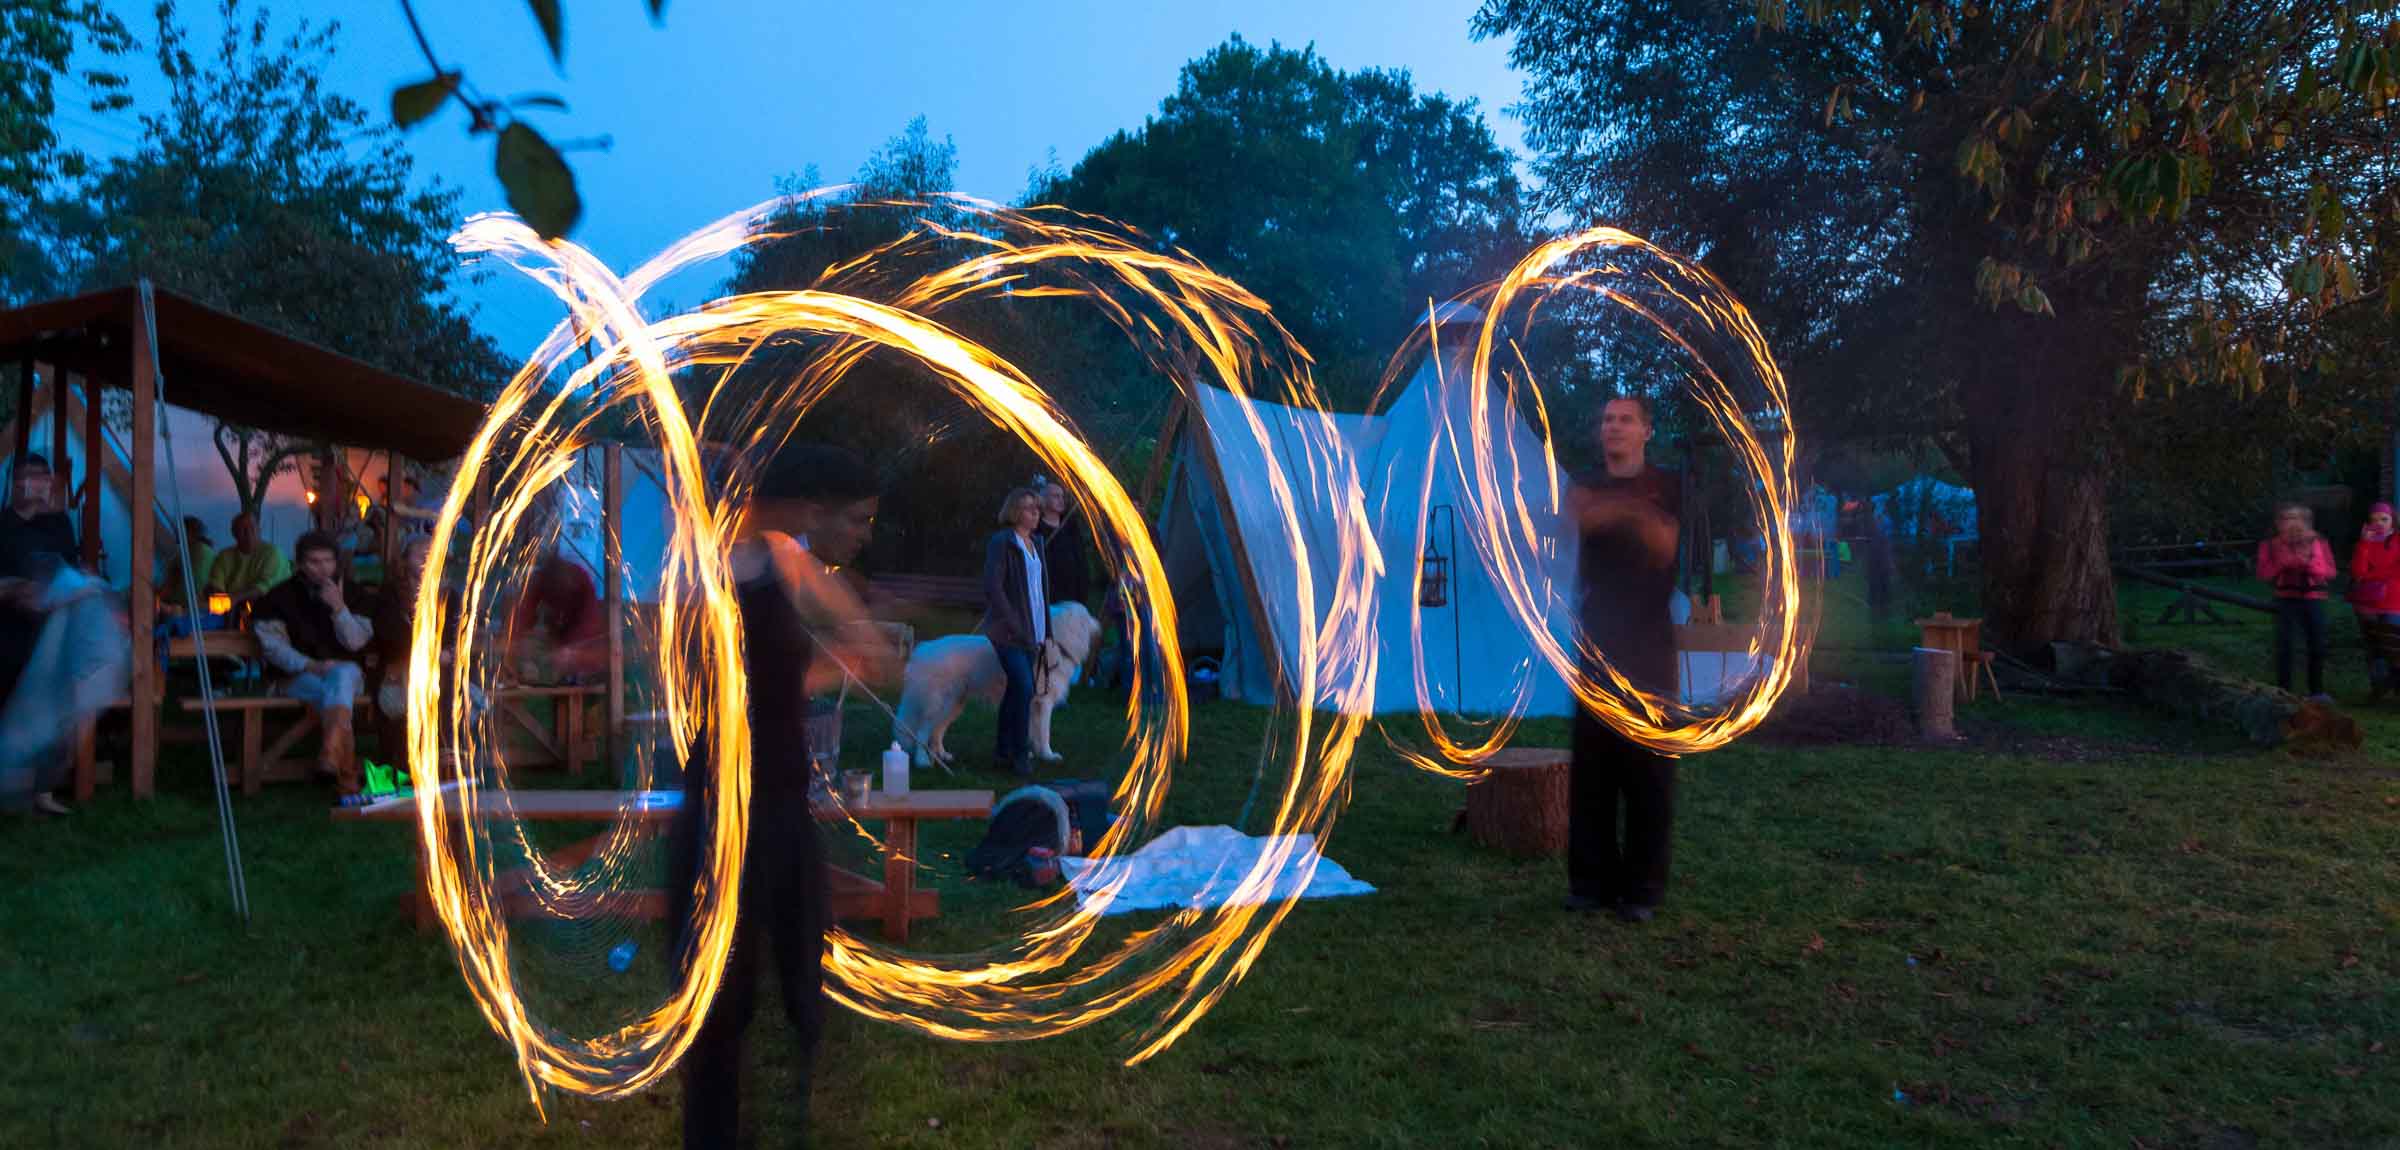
{"type": "Point", "coordinates": [708, 110]}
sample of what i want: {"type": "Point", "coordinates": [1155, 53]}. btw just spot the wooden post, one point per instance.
{"type": "Point", "coordinates": [24, 405]}
{"type": "Point", "coordinates": [394, 468]}
{"type": "Point", "coordinates": [612, 580]}
{"type": "Point", "coordinates": [94, 474]}
{"type": "Point", "coordinates": [144, 603]}
{"type": "Point", "coordinates": [1936, 673]}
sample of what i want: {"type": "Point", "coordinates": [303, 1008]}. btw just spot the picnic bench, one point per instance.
{"type": "Point", "coordinates": [896, 899]}
{"type": "Point", "coordinates": [564, 740]}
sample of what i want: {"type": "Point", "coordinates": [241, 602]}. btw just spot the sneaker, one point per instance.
{"type": "Point", "coordinates": [1635, 912]}
{"type": "Point", "coordinates": [48, 804]}
{"type": "Point", "coordinates": [2321, 699]}
{"type": "Point", "coordinates": [352, 801]}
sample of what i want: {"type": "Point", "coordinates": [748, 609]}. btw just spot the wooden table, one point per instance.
{"type": "Point", "coordinates": [1943, 632]}
{"type": "Point", "coordinates": [896, 899]}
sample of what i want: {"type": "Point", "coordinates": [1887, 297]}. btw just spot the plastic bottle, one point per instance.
{"type": "Point", "coordinates": [895, 770]}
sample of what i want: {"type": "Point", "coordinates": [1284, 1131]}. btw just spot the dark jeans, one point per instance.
{"type": "Point", "coordinates": [1016, 703]}
{"type": "Point", "coordinates": [1609, 770]}
{"type": "Point", "coordinates": [785, 901]}
{"type": "Point", "coordinates": [2304, 617]}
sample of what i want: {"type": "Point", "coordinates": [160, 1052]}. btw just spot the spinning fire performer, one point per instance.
{"type": "Point", "coordinates": [1628, 515]}
{"type": "Point", "coordinates": [787, 600]}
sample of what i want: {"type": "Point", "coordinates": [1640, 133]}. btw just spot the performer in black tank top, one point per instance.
{"type": "Point", "coordinates": [787, 600]}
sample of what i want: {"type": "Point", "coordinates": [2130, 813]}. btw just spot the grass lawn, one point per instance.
{"type": "Point", "coordinates": [2162, 939]}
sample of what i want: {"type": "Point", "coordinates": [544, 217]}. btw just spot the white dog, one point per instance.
{"type": "Point", "coordinates": [944, 673]}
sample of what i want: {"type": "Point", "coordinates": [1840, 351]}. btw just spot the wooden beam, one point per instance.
{"type": "Point", "coordinates": [612, 579]}
{"type": "Point", "coordinates": [95, 473]}
{"type": "Point", "coordinates": [144, 449]}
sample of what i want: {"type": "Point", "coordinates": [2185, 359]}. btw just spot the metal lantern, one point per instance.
{"type": "Point", "coordinates": [1433, 588]}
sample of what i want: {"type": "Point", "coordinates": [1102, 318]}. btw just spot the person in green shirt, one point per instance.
{"type": "Point", "coordinates": [248, 568]}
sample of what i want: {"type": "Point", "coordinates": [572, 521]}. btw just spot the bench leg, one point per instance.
{"type": "Point", "coordinates": [899, 876]}
{"type": "Point", "coordinates": [254, 759]}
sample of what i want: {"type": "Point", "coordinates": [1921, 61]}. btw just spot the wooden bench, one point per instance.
{"type": "Point", "coordinates": [896, 899]}
{"type": "Point", "coordinates": [567, 739]}
{"type": "Point", "coordinates": [939, 590]}
{"type": "Point", "coordinates": [260, 758]}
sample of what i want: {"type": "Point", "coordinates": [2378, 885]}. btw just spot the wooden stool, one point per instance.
{"type": "Point", "coordinates": [1976, 668]}
{"type": "Point", "coordinates": [1521, 806]}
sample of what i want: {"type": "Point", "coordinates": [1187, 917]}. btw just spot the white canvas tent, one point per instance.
{"type": "Point", "coordinates": [1229, 561]}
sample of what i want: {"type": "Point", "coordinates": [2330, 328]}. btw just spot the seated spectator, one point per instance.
{"type": "Point", "coordinates": [308, 630]}
{"type": "Point", "coordinates": [559, 634]}
{"type": "Point", "coordinates": [250, 567]}
{"type": "Point", "coordinates": [35, 540]}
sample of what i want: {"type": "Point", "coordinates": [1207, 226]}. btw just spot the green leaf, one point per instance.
{"type": "Point", "coordinates": [2306, 90]}
{"type": "Point", "coordinates": [537, 100]}
{"type": "Point", "coordinates": [553, 30]}
{"type": "Point", "coordinates": [411, 103]}
{"type": "Point", "coordinates": [541, 188]}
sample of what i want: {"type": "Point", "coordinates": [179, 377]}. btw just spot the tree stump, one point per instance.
{"type": "Point", "coordinates": [1521, 807]}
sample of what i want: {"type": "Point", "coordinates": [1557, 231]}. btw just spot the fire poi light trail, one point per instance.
{"type": "Point", "coordinates": [1729, 375]}
{"type": "Point", "coordinates": [1202, 330]}
{"type": "Point", "coordinates": [731, 380]}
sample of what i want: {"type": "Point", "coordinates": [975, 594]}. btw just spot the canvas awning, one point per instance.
{"type": "Point", "coordinates": [219, 364]}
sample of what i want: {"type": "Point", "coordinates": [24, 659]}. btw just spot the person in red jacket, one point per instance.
{"type": "Point", "coordinates": [2375, 578]}
{"type": "Point", "coordinates": [2297, 562]}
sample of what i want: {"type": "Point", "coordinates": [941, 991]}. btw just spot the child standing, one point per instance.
{"type": "Point", "coordinates": [2297, 562]}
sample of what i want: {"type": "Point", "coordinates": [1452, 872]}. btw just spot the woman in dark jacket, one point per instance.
{"type": "Point", "coordinates": [1016, 614]}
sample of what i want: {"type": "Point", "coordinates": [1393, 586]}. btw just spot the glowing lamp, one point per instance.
{"type": "Point", "coordinates": [220, 603]}
{"type": "Point", "coordinates": [312, 498]}
{"type": "Point", "coordinates": [1433, 578]}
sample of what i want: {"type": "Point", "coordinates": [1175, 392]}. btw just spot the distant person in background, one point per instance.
{"type": "Point", "coordinates": [395, 630]}
{"type": "Point", "coordinates": [1628, 515]}
{"type": "Point", "coordinates": [251, 567]}
{"type": "Point", "coordinates": [309, 630]}
{"type": "Point", "coordinates": [2375, 580]}
{"type": "Point", "coordinates": [2298, 564]}
{"type": "Point", "coordinates": [1015, 618]}
{"type": "Point", "coordinates": [1066, 546]}
{"type": "Point", "coordinates": [204, 554]}
{"type": "Point", "coordinates": [35, 540]}
{"type": "Point", "coordinates": [559, 634]}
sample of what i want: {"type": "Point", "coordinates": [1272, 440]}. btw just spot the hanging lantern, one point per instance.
{"type": "Point", "coordinates": [1433, 588]}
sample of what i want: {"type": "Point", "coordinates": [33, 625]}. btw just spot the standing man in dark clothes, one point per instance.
{"type": "Point", "coordinates": [35, 540]}
{"type": "Point", "coordinates": [790, 604]}
{"type": "Point", "coordinates": [1628, 514]}
{"type": "Point", "coordinates": [1066, 547]}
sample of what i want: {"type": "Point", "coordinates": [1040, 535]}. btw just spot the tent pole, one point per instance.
{"type": "Point", "coordinates": [24, 404]}
{"type": "Point", "coordinates": [62, 469]}
{"type": "Point", "coordinates": [149, 389]}
{"type": "Point", "coordinates": [612, 528]}
{"type": "Point", "coordinates": [94, 456]}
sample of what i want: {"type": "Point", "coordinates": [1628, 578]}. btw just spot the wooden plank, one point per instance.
{"type": "Point", "coordinates": [660, 806]}
{"type": "Point", "coordinates": [254, 758]}
{"type": "Point", "coordinates": [899, 876]}
{"type": "Point", "coordinates": [62, 469]}
{"type": "Point", "coordinates": [144, 447]}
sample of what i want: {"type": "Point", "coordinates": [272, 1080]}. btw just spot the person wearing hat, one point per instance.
{"type": "Point", "coordinates": [2375, 579]}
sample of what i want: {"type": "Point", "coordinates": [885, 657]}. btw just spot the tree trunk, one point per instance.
{"type": "Point", "coordinates": [2038, 437]}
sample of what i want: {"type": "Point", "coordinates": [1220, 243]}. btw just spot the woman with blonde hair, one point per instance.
{"type": "Point", "coordinates": [2298, 564]}
{"type": "Point", "coordinates": [1015, 613]}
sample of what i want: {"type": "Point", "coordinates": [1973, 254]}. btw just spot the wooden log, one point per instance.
{"type": "Point", "coordinates": [1521, 807]}
{"type": "Point", "coordinates": [1936, 678]}
{"type": "Point", "coordinates": [2187, 685]}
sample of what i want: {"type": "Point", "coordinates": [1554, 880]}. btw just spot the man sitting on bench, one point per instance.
{"type": "Point", "coordinates": [307, 629]}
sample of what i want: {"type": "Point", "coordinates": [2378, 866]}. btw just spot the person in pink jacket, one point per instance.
{"type": "Point", "coordinates": [2298, 563]}
{"type": "Point", "coordinates": [2375, 579]}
